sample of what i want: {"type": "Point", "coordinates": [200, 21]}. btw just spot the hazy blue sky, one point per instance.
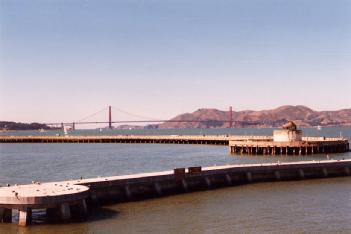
{"type": "Point", "coordinates": [61, 60]}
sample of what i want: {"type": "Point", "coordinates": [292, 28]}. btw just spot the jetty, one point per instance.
{"type": "Point", "coordinates": [306, 146]}
{"type": "Point", "coordinates": [285, 141]}
{"type": "Point", "coordinates": [56, 198]}
{"type": "Point", "coordinates": [63, 200]}
{"type": "Point", "coordinates": [289, 141]}
{"type": "Point", "coordinates": [244, 145]}
{"type": "Point", "coordinates": [127, 139]}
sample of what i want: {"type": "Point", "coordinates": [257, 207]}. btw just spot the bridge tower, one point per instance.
{"type": "Point", "coordinates": [230, 117]}
{"type": "Point", "coordinates": [109, 117]}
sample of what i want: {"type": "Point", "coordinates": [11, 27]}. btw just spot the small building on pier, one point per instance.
{"type": "Point", "coordinates": [288, 141]}
{"type": "Point", "coordinates": [287, 133]}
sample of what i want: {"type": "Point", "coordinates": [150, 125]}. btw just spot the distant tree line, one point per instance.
{"type": "Point", "coordinates": [7, 125]}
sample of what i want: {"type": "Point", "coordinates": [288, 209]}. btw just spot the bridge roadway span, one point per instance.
{"type": "Point", "coordinates": [61, 198]}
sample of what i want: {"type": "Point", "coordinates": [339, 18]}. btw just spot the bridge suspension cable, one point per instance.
{"type": "Point", "coordinates": [141, 119]}
{"type": "Point", "coordinates": [135, 115]}
{"type": "Point", "coordinates": [92, 115]}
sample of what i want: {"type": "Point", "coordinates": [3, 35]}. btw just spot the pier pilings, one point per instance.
{"type": "Point", "coordinates": [304, 147]}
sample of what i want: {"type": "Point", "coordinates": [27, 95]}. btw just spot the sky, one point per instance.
{"type": "Point", "coordinates": [63, 60]}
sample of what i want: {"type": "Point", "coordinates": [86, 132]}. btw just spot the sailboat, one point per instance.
{"type": "Point", "coordinates": [65, 130]}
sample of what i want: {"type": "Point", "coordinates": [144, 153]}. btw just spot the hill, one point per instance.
{"type": "Point", "coordinates": [301, 115]}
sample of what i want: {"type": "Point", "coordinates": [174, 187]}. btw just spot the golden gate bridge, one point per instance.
{"type": "Point", "coordinates": [145, 119]}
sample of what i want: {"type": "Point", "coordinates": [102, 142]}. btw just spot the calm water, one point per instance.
{"type": "Point", "coordinates": [315, 206]}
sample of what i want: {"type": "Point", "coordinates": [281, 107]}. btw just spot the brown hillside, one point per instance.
{"type": "Point", "coordinates": [302, 115]}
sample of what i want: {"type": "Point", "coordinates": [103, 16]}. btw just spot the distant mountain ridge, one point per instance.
{"type": "Point", "coordinates": [301, 115]}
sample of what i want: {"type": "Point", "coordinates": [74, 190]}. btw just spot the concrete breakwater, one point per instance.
{"type": "Point", "coordinates": [65, 197]}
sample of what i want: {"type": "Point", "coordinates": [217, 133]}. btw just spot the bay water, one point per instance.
{"type": "Point", "coordinates": [311, 206]}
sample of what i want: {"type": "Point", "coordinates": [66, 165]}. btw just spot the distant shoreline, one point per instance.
{"type": "Point", "coordinates": [206, 118]}
{"type": "Point", "coordinates": [17, 126]}
{"type": "Point", "coordinates": [125, 130]}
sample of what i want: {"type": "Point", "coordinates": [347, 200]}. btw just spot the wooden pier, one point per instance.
{"type": "Point", "coordinates": [59, 198]}
{"type": "Point", "coordinates": [307, 146]}
{"type": "Point", "coordinates": [249, 145]}
{"type": "Point", "coordinates": [127, 139]}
